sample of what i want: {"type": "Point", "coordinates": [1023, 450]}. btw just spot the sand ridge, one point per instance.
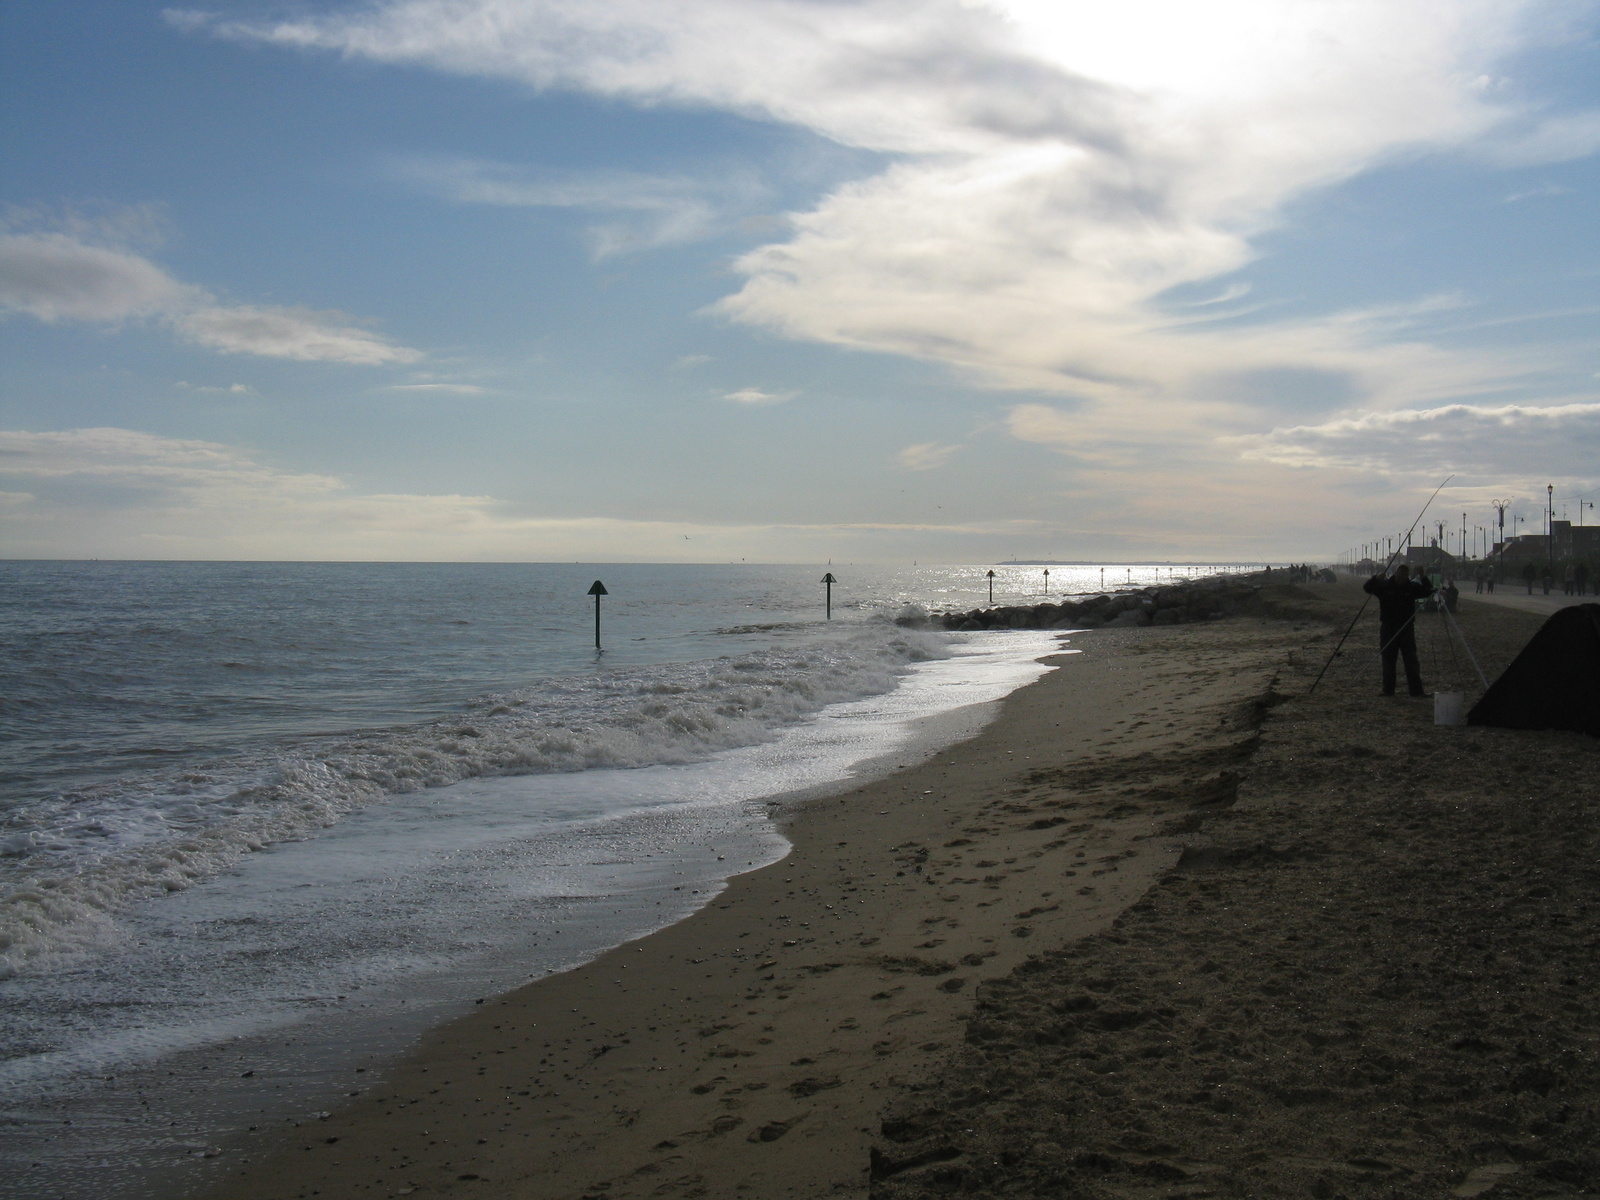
{"type": "Point", "coordinates": [750, 1049]}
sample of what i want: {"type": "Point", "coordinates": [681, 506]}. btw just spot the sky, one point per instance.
{"type": "Point", "coordinates": [793, 280]}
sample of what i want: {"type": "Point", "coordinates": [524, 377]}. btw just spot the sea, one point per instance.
{"type": "Point", "coordinates": [264, 823]}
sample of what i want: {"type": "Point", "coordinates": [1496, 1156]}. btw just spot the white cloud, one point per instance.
{"type": "Point", "coordinates": [925, 456]}
{"type": "Point", "coordinates": [859, 73]}
{"type": "Point", "coordinates": [1048, 172]}
{"type": "Point", "coordinates": [755, 396]}
{"type": "Point", "coordinates": [236, 389]}
{"type": "Point", "coordinates": [459, 389]}
{"type": "Point", "coordinates": [295, 333]}
{"type": "Point", "coordinates": [57, 276]}
{"type": "Point", "coordinates": [1059, 165]}
{"type": "Point", "coordinates": [1561, 440]}
{"type": "Point", "coordinates": [1042, 424]}
{"type": "Point", "coordinates": [120, 493]}
{"type": "Point", "coordinates": [1311, 486]}
{"type": "Point", "coordinates": [126, 455]}
{"type": "Point", "coordinates": [1549, 189]}
{"type": "Point", "coordinates": [1227, 295]}
{"type": "Point", "coordinates": [1054, 170]}
{"type": "Point", "coordinates": [647, 211]}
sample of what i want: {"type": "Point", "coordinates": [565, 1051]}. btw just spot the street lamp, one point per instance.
{"type": "Point", "coordinates": [1550, 524]}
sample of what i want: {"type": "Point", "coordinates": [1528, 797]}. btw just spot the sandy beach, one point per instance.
{"type": "Point", "coordinates": [1167, 927]}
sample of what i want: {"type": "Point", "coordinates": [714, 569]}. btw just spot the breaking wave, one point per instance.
{"type": "Point", "coordinates": [70, 863]}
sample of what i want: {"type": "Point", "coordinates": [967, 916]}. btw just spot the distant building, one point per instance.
{"type": "Point", "coordinates": [1581, 542]}
{"type": "Point", "coordinates": [1530, 547]}
{"type": "Point", "coordinates": [1577, 541]}
{"type": "Point", "coordinates": [1431, 559]}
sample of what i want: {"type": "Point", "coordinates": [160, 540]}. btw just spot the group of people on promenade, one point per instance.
{"type": "Point", "coordinates": [1575, 580]}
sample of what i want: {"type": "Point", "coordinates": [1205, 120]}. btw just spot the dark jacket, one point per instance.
{"type": "Point", "coordinates": [1396, 599]}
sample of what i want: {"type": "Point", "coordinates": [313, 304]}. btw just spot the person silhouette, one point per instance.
{"type": "Point", "coordinates": [1397, 631]}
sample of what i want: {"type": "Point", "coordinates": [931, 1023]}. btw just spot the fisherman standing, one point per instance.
{"type": "Point", "coordinates": [1397, 633]}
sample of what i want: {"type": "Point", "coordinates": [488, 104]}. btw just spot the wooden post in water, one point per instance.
{"type": "Point", "coordinates": [1047, 581]}
{"type": "Point", "coordinates": [829, 580]}
{"type": "Point", "coordinates": [991, 589]}
{"type": "Point", "coordinates": [598, 590]}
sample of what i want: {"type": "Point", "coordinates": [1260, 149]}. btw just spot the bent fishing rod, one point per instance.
{"type": "Point", "coordinates": [1385, 571]}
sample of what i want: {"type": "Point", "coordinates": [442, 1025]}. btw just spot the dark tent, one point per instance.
{"type": "Point", "coordinates": [1555, 682]}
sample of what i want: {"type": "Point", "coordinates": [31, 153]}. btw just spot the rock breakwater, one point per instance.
{"type": "Point", "coordinates": [1175, 604]}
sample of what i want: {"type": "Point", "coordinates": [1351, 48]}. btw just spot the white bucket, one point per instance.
{"type": "Point", "coordinates": [1449, 708]}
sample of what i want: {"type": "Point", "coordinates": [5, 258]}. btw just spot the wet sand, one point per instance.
{"type": "Point", "coordinates": [1166, 928]}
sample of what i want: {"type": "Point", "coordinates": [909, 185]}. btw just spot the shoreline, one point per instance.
{"type": "Point", "coordinates": [143, 1129]}
{"type": "Point", "coordinates": [767, 1029]}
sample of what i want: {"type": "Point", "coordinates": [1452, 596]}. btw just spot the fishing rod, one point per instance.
{"type": "Point", "coordinates": [1385, 571]}
{"type": "Point", "coordinates": [1451, 622]}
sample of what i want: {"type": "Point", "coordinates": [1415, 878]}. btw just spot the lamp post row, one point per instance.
{"type": "Point", "coordinates": [1494, 532]}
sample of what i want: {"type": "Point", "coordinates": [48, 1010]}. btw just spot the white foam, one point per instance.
{"type": "Point", "coordinates": [75, 861]}
{"type": "Point", "coordinates": [382, 897]}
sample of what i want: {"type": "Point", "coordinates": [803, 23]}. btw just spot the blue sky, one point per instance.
{"type": "Point", "coordinates": [791, 280]}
